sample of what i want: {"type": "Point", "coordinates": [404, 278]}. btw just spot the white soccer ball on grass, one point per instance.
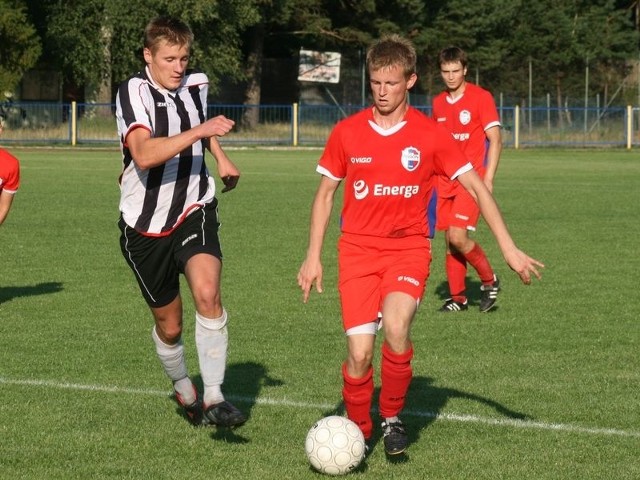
{"type": "Point", "coordinates": [335, 445]}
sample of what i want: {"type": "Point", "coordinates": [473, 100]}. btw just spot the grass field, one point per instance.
{"type": "Point", "coordinates": [544, 387]}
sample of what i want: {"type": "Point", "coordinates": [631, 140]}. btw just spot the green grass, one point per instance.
{"type": "Point", "coordinates": [544, 387]}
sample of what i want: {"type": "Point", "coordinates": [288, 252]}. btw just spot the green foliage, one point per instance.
{"type": "Point", "coordinates": [20, 46]}
{"type": "Point", "coordinates": [605, 40]}
{"type": "Point", "coordinates": [502, 37]}
{"type": "Point", "coordinates": [482, 28]}
{"type": "Point", "coordinates": [79, 51]}
{"type": "Point", "coordinates": [217, 27]}
{"type": "Point", "coordinates": [91, 39]}
{"type": "Point", "coordinates": [110, 40]}
{"type": "Point", "coordinates": [128, 20]}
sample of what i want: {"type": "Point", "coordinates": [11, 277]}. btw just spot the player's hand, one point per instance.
{"type": "Point", "coordinates": [489, 184]}
{"type": "Point", "coordinates": [218, 126]}
{"type": "Point", "coordinates": [310, 271]}
{"type": "Point", "coordinates": [230, 182]}
{"type": "Point", "coordinates": [524, 265]}
{"type": "Point", "coordinates": [228, 172]}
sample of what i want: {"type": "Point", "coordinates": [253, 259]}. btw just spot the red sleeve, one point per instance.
{"type": "Point", "coordinates": [332, 161]}
{"type": "Point", "coordinates": [488, 112]}
{"type": "Point", "coordinates": [449, 157]}
{"type": "Point", "coordinates": [9, 172]}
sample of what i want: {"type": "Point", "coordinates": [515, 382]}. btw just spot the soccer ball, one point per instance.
{"type": "Point", "coordinates": [334, 445]}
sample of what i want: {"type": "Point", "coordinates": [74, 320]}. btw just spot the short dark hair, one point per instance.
{"type": "Point", "coordinates": [168, 29]}
{"type": "Point", "coordinates": [452, 55]}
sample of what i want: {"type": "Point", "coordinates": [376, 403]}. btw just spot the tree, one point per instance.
{"type": "Point", "coordinates": [218, 27]}
{"type": "Point", "coordinates": [344, 25]}
{"type": "Point", "coordinates": [98, 43]}
{"type": "Point", "coordinates": [483, 28]}
{"type": "Point", "coordinates": [83, 36]}
{"type": "Point", "coordinates": [607, 40]}
{"type": "Point", "coordinates": [253, 40]}
{"type": "Point", "coordinates": [20, 45]}
{"type": "Point", "coordinates": [272, 16]}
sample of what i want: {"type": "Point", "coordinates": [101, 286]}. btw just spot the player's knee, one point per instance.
{"type": "Point", "coordinates": [458, 241]}
{"type": "Point", "coordinates": [398, 344]}
{"type": "Point", "coordinates": [208, 301]}
{"type": "Point", "coordinates": [359, 362]}
{"type": "Point", "coordinates": [169, 334]}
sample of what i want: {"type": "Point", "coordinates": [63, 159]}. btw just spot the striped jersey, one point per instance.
{"type": "Point", "coordinates": [154, 201]}
{"type": "Point", "coordinates": [389, 174]}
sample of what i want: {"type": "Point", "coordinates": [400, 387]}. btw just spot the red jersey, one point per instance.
{"type": "Point", "coordinates": [9, 172]}
{"type": "Point", "coordinates": [389, 174]}
{"type": "Point", "coordinates": [467, 117]}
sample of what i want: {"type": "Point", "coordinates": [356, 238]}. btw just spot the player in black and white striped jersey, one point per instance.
{"type": "Point", "coordinates": [169, 218]}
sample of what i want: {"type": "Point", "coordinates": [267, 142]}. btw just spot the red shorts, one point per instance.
{"type": "Point", "coordinates": [371, 268]}
{"type": "Point", "coordinates": [460, 211]}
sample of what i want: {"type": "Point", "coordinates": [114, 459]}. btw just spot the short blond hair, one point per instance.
{"type": "Point", "coordinates": [392, 50]}
{"type": "Point", "coordinates": [167, 29]}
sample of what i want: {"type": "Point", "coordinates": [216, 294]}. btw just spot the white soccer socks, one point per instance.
{"type": "Point", "coordinates": [212, 341]}
{"type": "Point", "coordinates": [173, 362]}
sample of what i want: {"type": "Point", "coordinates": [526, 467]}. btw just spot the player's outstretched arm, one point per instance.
{"type": "Point", "coordinates": [518, 261]}
{"type": "Point", "coordinates": [149, 152]}
{"type": "Point", "coordinates": [311, 269]}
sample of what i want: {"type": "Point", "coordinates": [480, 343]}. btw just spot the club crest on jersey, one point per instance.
{"type": "Point", "coordinates": [465, 117]}
{"type": "Point", "coordinates": [410, 158]}
{"type": "Point", "coordinates": [360, 189]}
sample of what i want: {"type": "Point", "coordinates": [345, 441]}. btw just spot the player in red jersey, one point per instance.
{"type": "Point", "coordinates": [469, 113]}
{"type": "Point", "coordinates": [388, 157]}
{"type": "Point", "coordinates": [9, 180]}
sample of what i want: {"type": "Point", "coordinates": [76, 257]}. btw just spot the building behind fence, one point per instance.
{"type": "Point", "coordinates": [309, 125]}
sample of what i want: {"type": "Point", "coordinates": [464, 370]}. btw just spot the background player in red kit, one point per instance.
{"type": "Point", "coordinates": [388, 157]}
{"type": "Point", "coordinates": [469, 112]}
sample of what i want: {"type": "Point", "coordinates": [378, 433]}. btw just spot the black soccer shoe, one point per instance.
{"type": "Point", "coordinates": [368, 448]}
{"type": "Point", "coordinates": [192, 412]}
{"type": "Point", "coordinates": [223, 414]}
{"type": "Point", "coordinates": [395, 437]}
{"type": "Point", "coordinates": [489, 295]}
{"type": "Point", "coordinates": [452, 306]}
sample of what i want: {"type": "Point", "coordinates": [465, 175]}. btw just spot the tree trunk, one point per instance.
{"type": "Point", "coordinates": [251, 116]}
{"type": "Point", "coordinates": [101, 93]}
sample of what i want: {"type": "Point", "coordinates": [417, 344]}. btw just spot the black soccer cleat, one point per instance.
{"type": "Point", "coordinates": [489, 295]}
{"type": "Point", "coordinates": [367, 448]}
{"type": "Point", "coordinates": [223, 414]}
{"type": "Point", "coordinates": [193, 411]}
{"type": "Point", "coordinates": [395, 437]}
{"type": "Point", "coordinates": [452, 306]}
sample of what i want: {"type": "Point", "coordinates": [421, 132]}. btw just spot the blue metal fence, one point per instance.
{"type": "Point", "coordinates": [309, 125]}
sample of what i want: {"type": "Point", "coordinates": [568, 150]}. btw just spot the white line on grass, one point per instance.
{"type": "Point", "coordinates": [506, 422]}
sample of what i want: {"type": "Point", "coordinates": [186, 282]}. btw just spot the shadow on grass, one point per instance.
{"type": "Point", "coordinates": [243, 383]}
{"type": "Point", "coordinates": [9, 293]}
{"type": "Point", "coordinates": [426, 401]}
{"type": "Point", "coordinates": [425, 404]}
